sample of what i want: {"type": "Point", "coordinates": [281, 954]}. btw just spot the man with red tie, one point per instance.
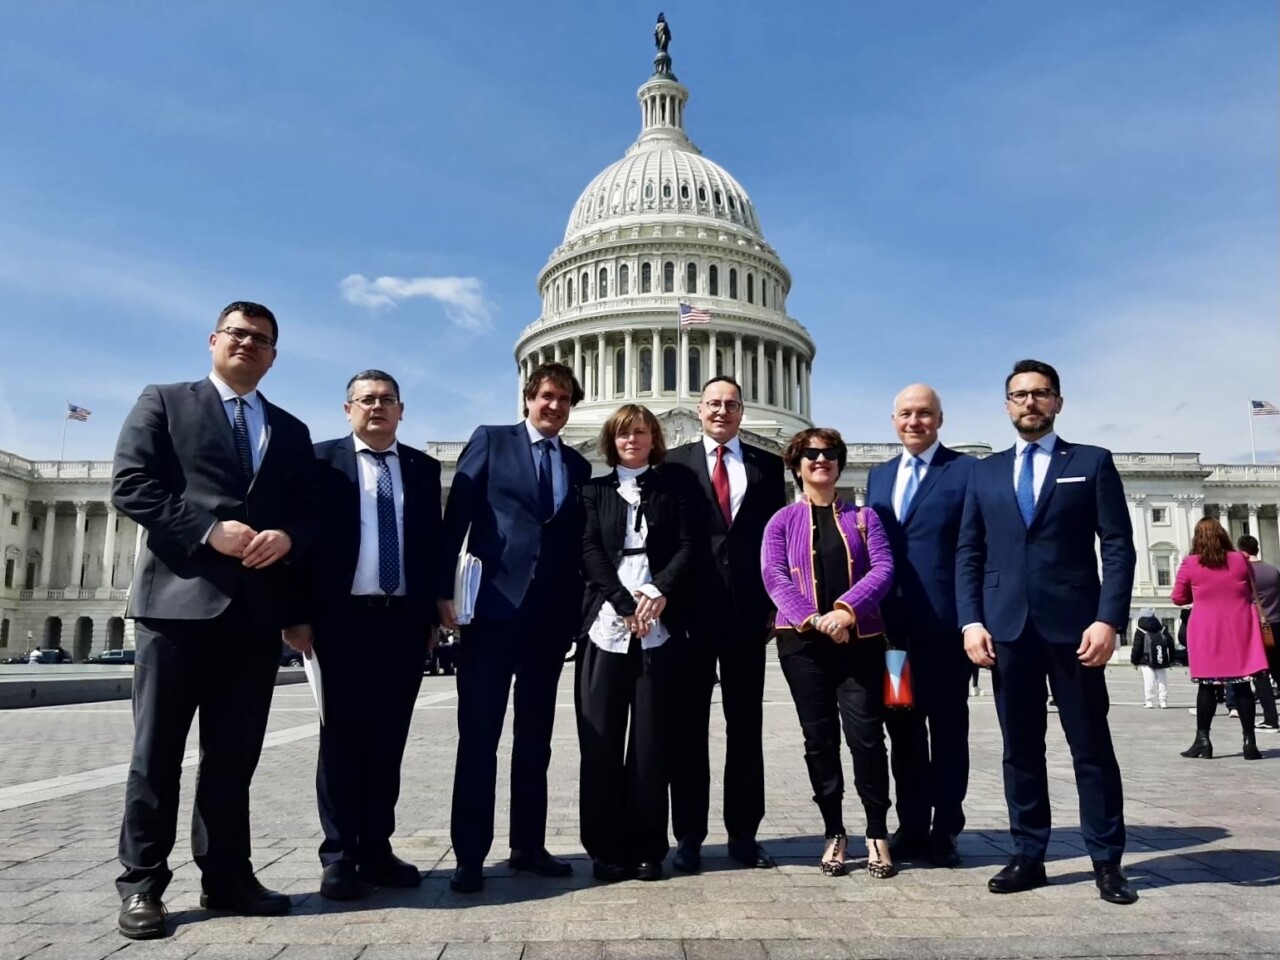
{"type": "Point", "coordinates": [741, 487]}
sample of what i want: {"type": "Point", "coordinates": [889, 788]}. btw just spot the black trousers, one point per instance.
{"type": "Point", "coordinates": [492, 653]}
{"type": "Point", "coordinates": [834, 684]}
{"type": "Point", "coordinates": [622, 701]}
{"type": "Point", "coordinates": [930, 742]}
{"type": "Point", "coordinates": [1081, 695]}
{"type": "Point", "coordinates": [740, 657]}
{"type": "Point", "coordinates": [226, 669]}
{"type": "Point", "coordinates": [371, 660]}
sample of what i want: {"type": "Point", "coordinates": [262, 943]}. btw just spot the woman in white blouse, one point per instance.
{"type": "Point", "coordinates": [637, 549]}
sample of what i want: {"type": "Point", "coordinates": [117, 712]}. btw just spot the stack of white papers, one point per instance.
{"type": "Point", "coordinates": [466, 587]}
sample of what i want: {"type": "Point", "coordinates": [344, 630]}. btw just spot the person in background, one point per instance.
{"type": "Point", "coordinates": [1152, 653]}
{"type": "Point", "coordinates": [1266, 580]}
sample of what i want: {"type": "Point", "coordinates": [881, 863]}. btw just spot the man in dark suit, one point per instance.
{"type": "Point", "coordinates": [518, 491]}
{"type": "Point", "coordinates": [371, 618]}
{"type": "Point", "coordinates": [222, 482]}
{"type": "Point", "coordinates": [1033, 607]}
{"type": "Point", "coordinates": [919, 497]}
{"type": "Point", "coordinates": [742, 487]}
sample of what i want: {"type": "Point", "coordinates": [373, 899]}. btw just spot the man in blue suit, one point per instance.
{"type": "Point", "coordinates": [1032, 606]}
{"type": "Point", "coordinates": [517, 490]}
{"type": "Point", "coordinates": [919, 497]}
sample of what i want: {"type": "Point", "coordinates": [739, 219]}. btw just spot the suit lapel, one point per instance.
{"type": "Point", "coordinates": [216, 413]}
{"type": "Point", "coordinates": [1057, 463]}
{"type": "Point", "coordinates": [266, 447]}
{"type": "Point", "coordinates": [1008, 495]}
{"type": "Point", "coordinates": [941, 458]}
{"type": "Point", "coordinates": [887, 472]}
{"type": "Point", "coordinates": [526, 472]}
{"type": "Point", "coordinates": [344, 458]}
{"type": "Point", "coordinates": [697, 462]}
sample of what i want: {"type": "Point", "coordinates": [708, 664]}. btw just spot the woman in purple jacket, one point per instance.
{"type": "Point", "coordinates": [827, 566]}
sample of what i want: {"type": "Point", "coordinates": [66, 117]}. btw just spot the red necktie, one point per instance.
{"type": "Point", "coordinates": [720, 481]}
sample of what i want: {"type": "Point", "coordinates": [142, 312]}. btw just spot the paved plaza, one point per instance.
{"type": "Point", "coordinates": [1204, 852]}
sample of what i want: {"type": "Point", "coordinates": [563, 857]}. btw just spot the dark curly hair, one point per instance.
{"type": "Point", "coordinates": [794, 452]}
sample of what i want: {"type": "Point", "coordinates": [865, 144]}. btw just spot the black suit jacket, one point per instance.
{"type": "Point", "coordinates": [666, 501]}
{"type": "Point", "coordinates": [333, 562]}
{"type": "Point", "coordinates": [176, 473]}
{"type": "Point", "coordinates": [727, 564]}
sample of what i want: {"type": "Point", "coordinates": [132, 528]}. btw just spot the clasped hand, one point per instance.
{"type": "Point", "coordinates": [835, 625]}
{"type": "Point", "coordinates": [648, 610]}
{"type": "Point", "coordinates": [253, 549]}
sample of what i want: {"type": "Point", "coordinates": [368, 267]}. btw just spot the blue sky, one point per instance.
{"type": "Point", "coordinates": [953, 186]}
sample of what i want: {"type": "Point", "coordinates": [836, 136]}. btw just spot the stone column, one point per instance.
{"type": "Point", "coordinates": [713, 360]}
{"type": "Point", "coordinates": [602, 384]}
{"type": "Point", "coordinates": [1224, 518]}
{"type": "Point", "coordinates": [779, 380]}
{"type": "Point", "coordinates": [1138, 514]}
{"type": "Point", "coordinates": [77, 549]}
{"type": "Point", "coordinates": [737, 359]}
{"type": "Point", "coordinates": [682, 371]}
{"type": "Point", "coordinates": [629, 353]}
{"type": "Point", "coordinates": [860, 496]}
{"type": "Point", "coordinates": [655, 363]}
{"type": "Point", "coordinates": [794, 389]}
{"type": "Point", "coordinates": [577, 358]}
{"type": "Point", "coordinates": [1181, 522]}
{"type": "Point", "coordinates": [806, 400]}
{"type": "Point", "coordinates": [1255, 525]}
{"type": "Point", "coordinates": [559, 354]}
{"type": "Point", "coordinates": [762, 375]}
{"type": "Point", "coordinates": [109, 548]}
{"type": "Point", "coordinates": [46, 555]}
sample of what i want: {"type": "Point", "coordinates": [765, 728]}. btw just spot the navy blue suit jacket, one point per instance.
{"type": "Point", "coordinates": [922, 604]}
{"type": "Point", "coordinates": [335, 555]}
{"type": "Point", "coordinates": [1008, 573]}
{"type": "Point", "coordinates": [495, 495]}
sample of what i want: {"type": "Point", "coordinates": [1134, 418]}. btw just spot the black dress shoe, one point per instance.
{"type": "Point", "coordinates": [142, 917]}
{"type": "Point", "coordinates": [467, 878]}
{"type": "Point", "coordinates": [649, 870]}
{"type": "Point", "coordinates": [909, 844]}
{"type": "Point", "coordinates": [1021, 874]}
{"type": "Point", "coordinates": [607, 872]}
{"type": "Point", "coordinates": [750, 854]}
{"type": "Point", "coordinates": [1112, 885]}
{"type": "Point", "coordinates": [339, 881]}
{"type": "Point", "coordinates": [391, 871]}
{"type": "Point", "coordinates": [246, 897]}
{"type": "Point", "coordinates": [539, 862]}
{"type": "Point", "coordinates": [942, 850]}
{"type": "Point", "coordinates": [688, 858]}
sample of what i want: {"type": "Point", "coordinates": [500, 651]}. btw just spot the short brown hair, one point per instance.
{"type": "Point", "coordinates": [560, 375]}
{"type": "Point", "coordinates": [621, 419]}
{"type": "Point", "coordinates": [794, 452]}
{"type": "Point", "coordinates": [1211, 544]}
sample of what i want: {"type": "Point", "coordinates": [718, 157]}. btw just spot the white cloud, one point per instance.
{"type": "Point", "coordinates": [463, 297]}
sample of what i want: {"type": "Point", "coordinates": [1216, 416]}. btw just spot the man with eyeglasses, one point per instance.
{"type": "Point", "coordinates": [1029, 596]}
{"type": "Point", "coordinates": [371, 618]}
{"type": "Point", "coordinates": [222, 481]}
{"type": "Point", "coordinates": [742, 487]}
{"type": "Point", "coordinates": [919, 498]}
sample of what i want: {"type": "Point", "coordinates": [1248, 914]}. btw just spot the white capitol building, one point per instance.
{"type": "Point", "coordinates": [662, 225]}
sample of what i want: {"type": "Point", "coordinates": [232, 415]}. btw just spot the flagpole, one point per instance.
{"type": "Point", "coordinates": [62, 450]}
{"type": "Point", "coordinates": [1253, 448]}
{"type": "Point", "coordinates": [680, 371]}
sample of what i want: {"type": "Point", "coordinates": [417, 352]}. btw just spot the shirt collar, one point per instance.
{"type": "Point", "coordinates": [734, 446]}
{"type": "Point", "coordinates": [228, 394]}
{"type": "Point", "coordinates": [535, 435]}
{"type": "Point", "coordinates": [361, 446]}
{"type": "Point", "coordinates": [1045, 443]}
{"type": "Point", "coordinates": [926, 458]}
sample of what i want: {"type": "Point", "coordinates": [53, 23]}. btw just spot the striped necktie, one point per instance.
{"type": "Point", "coordinates": [244, 449]}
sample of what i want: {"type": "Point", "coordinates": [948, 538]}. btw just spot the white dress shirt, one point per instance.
{"type": "Point", "coordinates": [255, 416]}
{"type": "Point", "coordinates": [366, 580]}
{"type": "Point", "coordinates": [559, 483]}
{"type": "Point", "coordinates": [904, 473]}
{"type": "Point", "coordinates": [1039, 465]}
{"type": "Point", "coordinates": [734, 466]}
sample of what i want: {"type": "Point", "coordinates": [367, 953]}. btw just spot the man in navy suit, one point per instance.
{"type": "Point", "coordinates": [919, 497]}
{"type": "Point", "coordinates": [1032, 607]}
{"type": "Point", "coordinates": [517, 490]}
{"type": "Point", "coordinates": [371, 615]}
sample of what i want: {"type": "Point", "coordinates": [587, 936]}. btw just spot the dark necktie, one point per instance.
{"type": "Point", "coordinates": [388, 535]}
{"type": "Point", "coordinates": [244, 449]}
{"type": "Point", "coordinates": [1026, 488]}
{"type": "Point", "coordinates": [720, 483]}
{"type": "Point", "coordinates": [546, 486]}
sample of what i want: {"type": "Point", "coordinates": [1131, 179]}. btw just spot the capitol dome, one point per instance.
{"type": "Point", "coordinates": [660, 227]}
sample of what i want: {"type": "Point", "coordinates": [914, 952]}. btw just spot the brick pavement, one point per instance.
{"type": "Point", "coordinates": [1204, 852]}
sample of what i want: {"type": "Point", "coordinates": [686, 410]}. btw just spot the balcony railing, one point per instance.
{"type": "Point", "coordinates": [1245, 473]}
{"type": "Point", "coordinates": [75, 593]}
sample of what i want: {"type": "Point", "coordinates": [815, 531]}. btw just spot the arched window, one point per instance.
{"type": "Point", "coordinates": [1164, 562]}
{"type": "Point", "coordinates": [691, 278]}
{"type": "Point", "coordinates": [771, 386]}
{"type": "Point", "coordinates": [695, 369]}
{"type": "Point", "coordinates": [646, 370]}
{"type": "Point", "coordinates": [733, 283]}
{"type": "Point", "coordinates": [754, 365]}
{"type": "Point", "coordinates": [751, 288]}
{"type": "Point", "coordinates": [702, 194]}
{"type": "Point", "coordinates": [620, 372]}
{"type": "Point", "coordinates": [713, 280]}
{"type": "Point", "coordinates": [602, 284]}
{"type": "Point", "coordinates": [668, 277]}
{"type": "Point", "coordinates": [557, 296]}
{"type": "Point", "coordinates": [669, 369]}
{"type": "Point", "coordinates": [719, 199]}
{"type": "Point", "coordinates": [586, 285]}
{"type": "Point", "coordinates": [684, 191]}
{"type": "Point", "coordinates": [764, 287]}
{"type": "Point", "coordinates": [648, 191]}
{"type": "Point", "coordinates": [568, 292]}
{"type": "Point", "coordinates": [624, 280]}
{"type": "Point", "coordinates": [666, 191]}
{"type": "Point", "coordinates": [646, 278]}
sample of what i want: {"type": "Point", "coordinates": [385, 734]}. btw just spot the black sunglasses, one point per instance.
{"type": "Point", "coordinates": [813, 453]}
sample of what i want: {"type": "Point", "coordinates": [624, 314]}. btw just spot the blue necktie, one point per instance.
{"type": "Point", "coordinates": [388, 535]}
{"type": "Point", "coordinates": [1026, 488]}
{"type": "Point", "coordinates": [244, 449]}
{"type": "Point", "coordinates": [546, 487]}
{"type": "Point", "coordinates": [912, 485]}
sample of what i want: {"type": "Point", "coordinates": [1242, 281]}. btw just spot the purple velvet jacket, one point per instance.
{"type": "Point", "coordinates": [786, 560]}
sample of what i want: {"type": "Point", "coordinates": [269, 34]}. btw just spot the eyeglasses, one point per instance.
{"type": "Point", "coordinates": [1040, 396]}
{"type": "Point", "coordinates": [241, 335]}
{"type": "Point", "coordinates": [370, 402]}
{"type": "Point", "coordinates": [728, 406]}
{"type": "Point", "coordinates": [813, 453]}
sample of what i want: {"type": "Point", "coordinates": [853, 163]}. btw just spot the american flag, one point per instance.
{"type": "Point", "coordinates": [77, 413]}
{"type": "Point", "coordinates": [1261, 408]}
{"type": "Point", "coordinates": [691, 316]}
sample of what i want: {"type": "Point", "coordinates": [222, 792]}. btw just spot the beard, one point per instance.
{"type": "Point", "coordinates": [1034, 422]}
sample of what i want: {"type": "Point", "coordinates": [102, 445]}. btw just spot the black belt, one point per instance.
{"type": "Point", "coordinates": [633, 551]}
{"type": "Point", "coordinates": [378, 600]}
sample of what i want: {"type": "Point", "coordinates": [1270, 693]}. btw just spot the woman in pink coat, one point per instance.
{"type": "Point", "coordinates": [1224, 636]}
